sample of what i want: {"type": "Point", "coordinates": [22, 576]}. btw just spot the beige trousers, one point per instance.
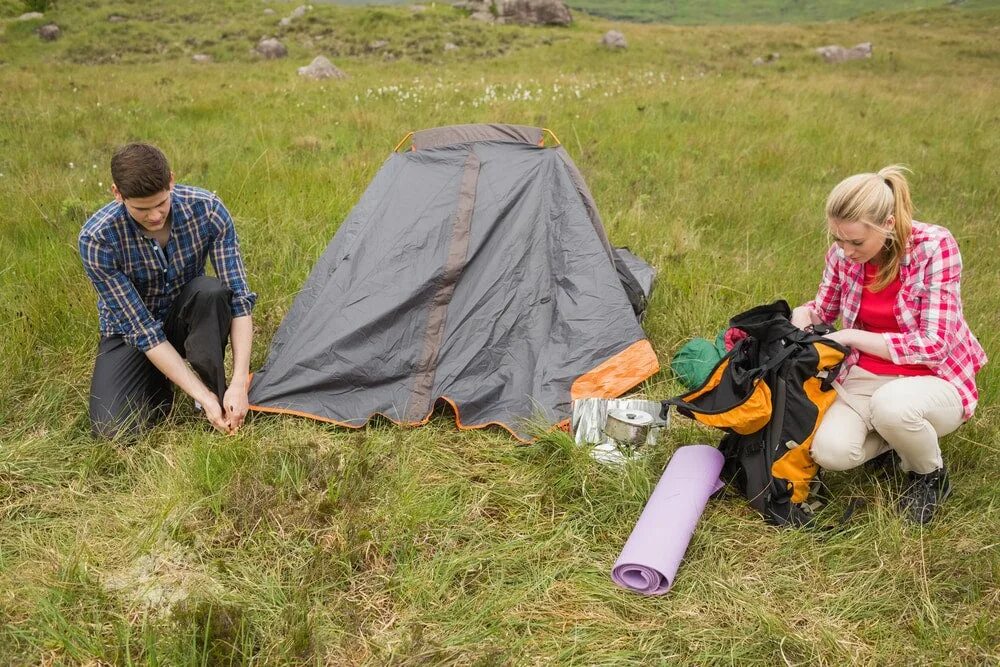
{"type": "Point", "coordinates": [907, 414]}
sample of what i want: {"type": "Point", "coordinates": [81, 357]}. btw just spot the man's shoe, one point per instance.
{"type": "Point", "coordinates": [924, 494]}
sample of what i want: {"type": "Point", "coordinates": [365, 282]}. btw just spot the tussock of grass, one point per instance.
{"type": "Point", "coordinates": [298, 543]}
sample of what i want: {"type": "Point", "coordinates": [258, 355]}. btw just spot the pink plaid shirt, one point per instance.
{"type": "Point", "coordinates": [928, 309]}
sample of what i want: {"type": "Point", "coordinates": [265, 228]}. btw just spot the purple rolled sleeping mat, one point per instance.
{"type": "Point", "coordinates": [653, 552]}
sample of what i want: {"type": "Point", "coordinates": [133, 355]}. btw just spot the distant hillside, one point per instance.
{"type": "Point", "coordinates": [699, 12]}
{"type": "Point", "coordinates": [689, 12]}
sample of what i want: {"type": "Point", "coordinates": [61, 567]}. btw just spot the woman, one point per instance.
{"type": "Point", "coordinates": [895, 284]}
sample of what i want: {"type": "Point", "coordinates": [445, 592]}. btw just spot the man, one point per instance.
{"type": "Point", "coordinates": [145, 253]}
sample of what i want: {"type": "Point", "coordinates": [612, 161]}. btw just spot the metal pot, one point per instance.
{"type": "Point", "coordinates": [628, 427]}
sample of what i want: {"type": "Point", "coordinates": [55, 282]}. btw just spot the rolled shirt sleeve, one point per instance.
{"type": "Point", "coordinates": [927, 339]}
{"type": "Point", "coordinates": [826, 305]}
{"type": "Point", "coordinates": [119, 296]}
{"type": "Point", "coordinates": [228, 262]}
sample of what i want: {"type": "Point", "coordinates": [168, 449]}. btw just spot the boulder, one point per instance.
{"type": "Point", "coordinates": [485, 17]}
{"type": "Point", "coordinates": [49, 32]}
{"type": "Point", "coordinates": [838, 54]}
{"type": "Point", "coordinates": [448, 46]}
{"type": "Point", "coordinates": [285, 22]}
{"type": "Point", "coordinates": [321, 68]}
{"type": "Point", "coordinates": [30, 16]}
{"type": "Point", "coordinates": [271, 48]}
{"type": "Point", "coordinates": [201, 58]}
{"type": "Point", "coordinates": [614, 40]}
{"type": "Point", "coordinates": [298, 12]}
{"type": "Point", "coordinates": [533, 12]}
{"type": "Point", "coordinates": [268, 12]}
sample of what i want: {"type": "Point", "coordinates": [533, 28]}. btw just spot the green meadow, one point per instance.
{"type": "Point", "coordinates": [295, 542]}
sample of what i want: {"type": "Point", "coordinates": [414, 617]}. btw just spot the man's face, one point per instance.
{"type": "Point", "coordinates": [860, 242]}
{"type": "Point", "coordinates": [152, 212]}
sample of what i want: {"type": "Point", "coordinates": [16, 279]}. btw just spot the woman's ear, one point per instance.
{"type": "Point", "coordinates": [890, 222]}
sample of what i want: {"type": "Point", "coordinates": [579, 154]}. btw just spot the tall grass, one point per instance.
{"type": "Point", "coordinates": [298, 543]}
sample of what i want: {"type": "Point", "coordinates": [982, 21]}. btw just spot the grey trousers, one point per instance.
{"type": "Point", "coordinates": [128, 394]}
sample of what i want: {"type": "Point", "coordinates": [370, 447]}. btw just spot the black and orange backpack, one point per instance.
{"type": "Point", "coordinates": [769, 394]}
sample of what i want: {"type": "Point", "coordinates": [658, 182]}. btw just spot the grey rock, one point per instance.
{"type": "Point", "coordinates": [418, 8]}
{"type": "Point", "coordinates": [298, 12]}
{"type": "Point", "coordinates": [285, 22]}
{"type": "Point", "coordinates": [30, 16]}
{"type": "Point", "coordinates": [533, 12]}
{"type": "Point", "coordinates": [271, 48]}
{"type": "Point", "coordinates": [49, 32]}
{"type": "Point", "coordinates": [117, 18]}
{"type": "Point", "coordinates": [378, 44]}
{"type": "Point", "coordinates": [448, 46]}
{"type": "Point", "coordinates": [770, 58]}
{"type": "Point", "coordinates": [485, 17]}
{"type": "Point", "coordinates": [838, 54]}
{"type": "Point", "coordinates": [321, 68]}
{"type": "Point", "coordinates": [268, 12]}
{"type": "Point", "coordinates": [614, 40]}
{"type": "Point", "coordinates": [201, 58]}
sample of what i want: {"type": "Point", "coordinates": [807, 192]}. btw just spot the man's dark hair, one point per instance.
{"type": "Point", "coordinates": [140, 170]}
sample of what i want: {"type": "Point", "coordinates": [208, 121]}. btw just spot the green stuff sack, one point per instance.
{"type": "Point", "coordinates": [695, 360]}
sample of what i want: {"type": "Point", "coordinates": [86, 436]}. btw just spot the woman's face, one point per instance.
{"type": "Point", "coordinates": [860, 241]}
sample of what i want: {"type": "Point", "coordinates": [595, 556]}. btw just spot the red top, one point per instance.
{"type": "Point", "coordinates": [876, 315]}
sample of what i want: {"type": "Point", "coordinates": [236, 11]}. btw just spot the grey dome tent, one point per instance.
{"type": "Point", "coordinates": [474, 270]}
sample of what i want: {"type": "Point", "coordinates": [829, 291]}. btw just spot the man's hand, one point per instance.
{"type": "Point", "coordinates": [235, 403]}
{"type": "Point", "coordinates": [214, 414]}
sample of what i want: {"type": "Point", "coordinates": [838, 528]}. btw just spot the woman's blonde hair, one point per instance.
{"type": "Point", "coordinates": [870, 199]}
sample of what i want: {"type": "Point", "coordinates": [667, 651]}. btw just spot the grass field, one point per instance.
{"type": "Point", "coordinates": [298, 543]}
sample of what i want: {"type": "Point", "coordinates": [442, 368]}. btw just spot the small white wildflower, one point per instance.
{"type": "Point", "coordinates": [71, 165]}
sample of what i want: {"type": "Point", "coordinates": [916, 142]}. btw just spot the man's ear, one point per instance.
{"type": "Point", "coordinates": [117, 194]}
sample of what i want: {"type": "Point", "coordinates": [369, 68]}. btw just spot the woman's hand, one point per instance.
{"type": "Point", "coordinates": [802, 317]}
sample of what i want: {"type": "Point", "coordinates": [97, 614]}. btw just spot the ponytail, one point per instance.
{"type": "Point", "coordinates": [902, 212]}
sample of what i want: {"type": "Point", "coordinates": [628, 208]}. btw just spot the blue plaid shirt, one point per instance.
{"type": "Point", "coordinates": [137, 281]}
